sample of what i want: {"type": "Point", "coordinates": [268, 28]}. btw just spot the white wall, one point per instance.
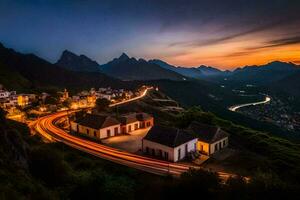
{"type": "Point", "coordinates": [191, 147]}
{"type": "Point", "coordinates": [173, 152]}
{"type": "Point", "coordinates": [212, 146]}
{"type": "Point", "coordinates": [103, 131]}
{"type": "Point", "coordinates": [132, 126]}
{"type": "Point", "coordinates": [153, 145]}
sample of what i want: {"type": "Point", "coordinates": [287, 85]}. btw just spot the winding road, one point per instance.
{"type": "Point", "coordinates": [236, 107]}
{"type": "Point", "coordinates": [46, 126]}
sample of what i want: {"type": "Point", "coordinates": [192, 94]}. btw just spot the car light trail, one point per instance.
{"type": "Point", "coordinates": [235, 108]}
{"type": "Point", "coordinates": [46, 126]}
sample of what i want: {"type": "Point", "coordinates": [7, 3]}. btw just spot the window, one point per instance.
{"type": "Point", "coordinates": [87, 131]}
{"type": "Point", "coordinates": [95, 133]}
{"type": "Point", "coordinates": [166, 155]}
{"type": "Point", "coordinates": [147, 150]}
{"type": "Point", "coordinates": [129, 128]}
{"type": "Point", "coordinates": [136, 126]}
{"type": "Point", "coordinates": [179, 154]}
{"type": "Point", "coordinates": [186, 149]}
{"type": "Point", "coordinates": [220, 145]}
{"type": "Point", "coordinates": [201, 147]}
{"type": "Point", "coordinates": [216, 147]}
{"type": "Point", "coordinates": [116, 131]}
{"type": "Point", "coordinates": [224, 143]}
{"type": "Point", "coordinates": [153, 152]}
{"type": "Point", "coordinates": [160, 153]}
{"type": "Point", "coordinates": [108, 132]}
{"type": "Point", "coordinates": [148, 124]}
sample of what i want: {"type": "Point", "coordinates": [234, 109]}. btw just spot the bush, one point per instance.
{"type": "Point", "coordinates": [47, 164]}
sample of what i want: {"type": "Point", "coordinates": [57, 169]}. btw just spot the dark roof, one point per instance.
{"type": "Point", "coordinates": [143, 116]}
{"type": "Point", "coordinates": [171, 137]}
{"type": "Point", "coordinates": [207, 133]}
{"type": "Point", "coordinates": [128, 118]}
{"type": "Point", "coordinates": [97, 121]}
{"type": "Point", "coordinates": [133, 117]}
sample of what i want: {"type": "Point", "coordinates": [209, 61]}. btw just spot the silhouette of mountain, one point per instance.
{"type": "Point", "coordinates": [73, 62]}
{"type": "Point", "coordinates": [127, 68]}
{"type": "Point", "coordinates": [28, 70]}
{"type": "Point", "coordinates": [289, 85]}
{"type": "Point", "coordinates": [192, 72]}
{"type": "Point", "coordinates": [264, 74]}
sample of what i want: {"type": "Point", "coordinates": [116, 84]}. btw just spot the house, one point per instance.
{"type": "Point", "coordinates": [98, 126]}
{"type": "Point", "coordinates": [23, 100]}
{"type": "Point", "coordinates": [169, 143]}
{"type": "Point", "coordinates": [211, 139]}
{"type": "Point", "coordinates": [4, 94]}
{"type": "Point", "coordinates": [134, 121]}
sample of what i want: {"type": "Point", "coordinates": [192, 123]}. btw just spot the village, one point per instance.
{"type": "Point", "coordinates": [134, 132]}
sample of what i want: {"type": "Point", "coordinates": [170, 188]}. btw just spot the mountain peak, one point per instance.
{"type": "Point", "coordinates": [73, 62]}
{"type": "Point", "coordinates": [67, 52]}
{"type": "Point", "coordinates": [124, 56]}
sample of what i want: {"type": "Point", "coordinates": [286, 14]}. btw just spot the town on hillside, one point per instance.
{"type": "Point", "coordinates": [91, 118]}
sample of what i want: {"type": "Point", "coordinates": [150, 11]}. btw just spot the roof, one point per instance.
{"type": "Point", "coordinates": [168, 136]}
{"type": "Point", "coordinates": [128, 118]}
{"type": "Point", "coordinates": [133, 117]}
{"type": "Point", "coordinates": [97, 121]}
{"type": "Point", "coordinates": [143, 116]}
{"type": "Point", "coordinates": [207, 133]}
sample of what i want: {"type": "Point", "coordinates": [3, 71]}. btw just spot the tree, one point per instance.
{"type": "Point", "coordinates": [102, 104]}
{"type": "Point", "coordinates": [50, 100]}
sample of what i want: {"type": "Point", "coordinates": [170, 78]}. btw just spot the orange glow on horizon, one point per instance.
{"type": "Point", "coordinates": [232, 54]}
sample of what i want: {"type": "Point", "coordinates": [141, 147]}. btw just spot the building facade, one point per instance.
{"type": "Point", "coordinates": [102, 126]}
{"type": "Point", "coordinates": [169, 143]}
{"type": "Point", "coordinates": [211, 139]}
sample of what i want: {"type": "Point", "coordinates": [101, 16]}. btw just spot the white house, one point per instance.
{"type": "Point", "coordinates": [169, 143]}
{"type": "Point", "coordinates": [211, 139]}
{"type": "Point", "coordinates": [98, 126]}
{"type": "Point", "coordinates": [4, 94]}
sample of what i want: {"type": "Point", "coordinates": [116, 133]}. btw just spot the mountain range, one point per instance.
{"type": "Point", "coordinates": [24, 71]}
{"type": "Point", "coordinates": [126, 68]}
{"type": "Point", "coordinates": [19, 70]}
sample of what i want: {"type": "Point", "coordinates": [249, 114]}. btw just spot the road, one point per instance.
{"type": "Point", "coordinates": [236, 107]}
{"type": "Point", "coordinates": [47, 128]}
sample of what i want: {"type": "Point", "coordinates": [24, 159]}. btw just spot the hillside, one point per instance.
{"type": "Point", "coordinates": [289, 85]}
{"type": "Point", "coordinates": [126, 68]}
{"type": "Point", "coordinates": [26, 71]}
{"type": "Point", "coordinates": [264, 74]}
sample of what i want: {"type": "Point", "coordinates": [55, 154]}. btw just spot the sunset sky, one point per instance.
{"type": "Point", "coordinates": [221, 33]}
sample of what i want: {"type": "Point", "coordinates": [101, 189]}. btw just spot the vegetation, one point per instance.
{"type": "Point", "coordinates": [31, 169]}
{"type": "Point", "coordinates": [275, 157]}
{"type": "Point", "coordinates": [102, 104]}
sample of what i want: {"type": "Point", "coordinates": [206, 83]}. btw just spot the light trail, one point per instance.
{"type": "Point", "coordinates": [236, 107]}
{"type": "Point", "coordinates": [46, 126]}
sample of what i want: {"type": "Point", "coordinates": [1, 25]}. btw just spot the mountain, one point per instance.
{"type": "Point", "coordinates": [264, 74]}
{"type": "Point", "coordinates": [73, 62]}
{"type": "Point", "coordinates": [192, 72]}
{"type": "Point", "coordinates": [30, 71]}
{"type": "Point", "coordinates": [126, 68]}
{"type": "Point", "coordinates": [289, 85]}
